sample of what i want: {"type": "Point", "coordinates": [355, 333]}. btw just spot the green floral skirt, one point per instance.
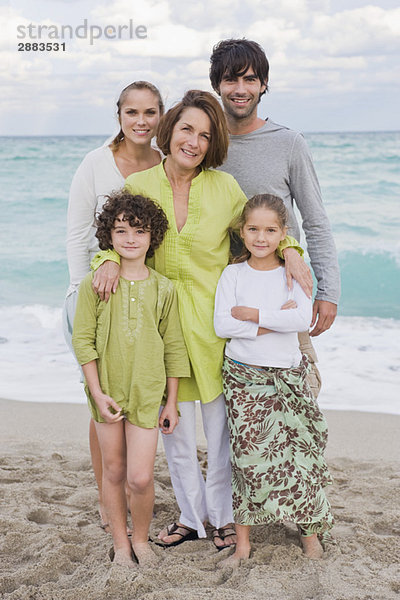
{"type": "Point", "coordinates": [277, 437]}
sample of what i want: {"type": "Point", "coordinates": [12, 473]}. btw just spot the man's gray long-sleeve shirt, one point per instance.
{"type": "Point", "coordinates": [276, 160]}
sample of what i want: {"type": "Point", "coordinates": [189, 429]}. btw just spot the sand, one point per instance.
{"type": "Point", "coordinates": [52, 547]}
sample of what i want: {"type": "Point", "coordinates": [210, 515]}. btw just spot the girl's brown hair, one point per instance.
{"type": "Point", "coordinates": [259, 201]}
{"type": "Point", "coordinates": [136, 85]}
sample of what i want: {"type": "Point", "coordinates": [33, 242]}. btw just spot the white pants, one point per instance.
{"type": "Point", "coordinates": [200, 500]}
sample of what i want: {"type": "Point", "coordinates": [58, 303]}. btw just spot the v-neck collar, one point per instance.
{"type": "Point", "coordinates": [170, 210]}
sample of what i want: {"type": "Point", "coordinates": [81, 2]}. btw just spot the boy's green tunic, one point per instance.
{"type": "Point", "coordinates": [137, 341]}
{"type": "Point", "coordinates": [194, 259]}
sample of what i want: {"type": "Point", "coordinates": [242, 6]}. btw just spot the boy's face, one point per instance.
{"type": "Point", "coordinates": [131, 243]}
{"type": "Point", "coordinates": [240, 94]}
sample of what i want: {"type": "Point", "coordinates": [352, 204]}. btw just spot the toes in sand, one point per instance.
{"type": "Point", "coordinates": [234, 560]}
{"type": "Point", "coordinates": [144, 554]}
{"type": "Point", "coordinates": [312, 547]}
{"type": "Point", "coordinates": [123, 558]}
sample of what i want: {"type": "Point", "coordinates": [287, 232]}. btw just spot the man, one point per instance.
{"type": "Point", "coordinates": [268, 158]}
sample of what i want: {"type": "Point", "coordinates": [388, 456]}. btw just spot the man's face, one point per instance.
{"type": "Point", "coordinates": [240, 94]}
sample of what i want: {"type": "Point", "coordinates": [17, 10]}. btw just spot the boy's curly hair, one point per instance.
{"type": "Point", "coordinates": [138, 211]}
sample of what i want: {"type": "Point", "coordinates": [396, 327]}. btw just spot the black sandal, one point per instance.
{"type": "Point", "coordinates": [222, 533]}
{"type": "Point", "coordinates": [189, 534]}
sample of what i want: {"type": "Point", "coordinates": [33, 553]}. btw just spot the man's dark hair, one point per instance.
{"type": "Point", "coordinates": [233, 58]}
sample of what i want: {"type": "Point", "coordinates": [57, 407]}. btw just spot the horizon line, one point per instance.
{"type": "Point", "coordinates": [41, 135]}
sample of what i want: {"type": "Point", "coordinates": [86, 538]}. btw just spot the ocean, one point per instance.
{"type": "Point", "coordinates": [359, 358]}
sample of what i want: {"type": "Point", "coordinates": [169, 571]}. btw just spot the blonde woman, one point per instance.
{"type": "Point", "coordinates": [103, 170]}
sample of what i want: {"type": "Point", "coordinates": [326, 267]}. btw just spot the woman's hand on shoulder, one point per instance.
{"type": "Point", "coordinates": [105, 279]}
{"type": "Point", "coordinates": [297, 269]}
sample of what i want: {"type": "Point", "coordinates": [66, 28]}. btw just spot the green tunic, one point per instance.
{"type": "Point", "coordinates": [137, 341]}
{"type": "Point", "coordinates": [194, 259]}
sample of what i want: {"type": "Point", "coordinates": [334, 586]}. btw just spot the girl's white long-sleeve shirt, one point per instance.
{"type": "Point", "coordinates": [241, 285]}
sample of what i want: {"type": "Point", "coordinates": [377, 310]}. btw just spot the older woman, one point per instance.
{"type": "Point", "coordinates": [200, 204]}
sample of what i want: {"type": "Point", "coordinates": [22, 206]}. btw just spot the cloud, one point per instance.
{"type": "Point", "coordinates": [315, 51]}
{"type": "Point", "coordinates": [367, 31]}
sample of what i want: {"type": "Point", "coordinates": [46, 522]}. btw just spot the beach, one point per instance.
{"type": "Point", "coordinates": [52, 546]}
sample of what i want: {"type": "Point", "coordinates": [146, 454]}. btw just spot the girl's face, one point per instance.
{"type": "Point", "coordinates": [131, 243]}
{"type": "Point", "coordinates": [190, 139]}
{"type": "Point", "coordinates": [262, 233]}
{"type": "Point", "coordinates": [139, 116]}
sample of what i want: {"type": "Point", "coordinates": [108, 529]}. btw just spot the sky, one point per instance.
{"type": "Point", "coordinates": [334, 64]}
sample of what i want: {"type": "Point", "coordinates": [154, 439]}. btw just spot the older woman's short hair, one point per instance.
{"type": "Point", "coordinates": [218, 148]}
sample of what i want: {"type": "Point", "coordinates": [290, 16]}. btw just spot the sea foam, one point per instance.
{"type": "Point", "coordinates": [35, 362]}
{"type": "Point", "coordinates": [359, 359]}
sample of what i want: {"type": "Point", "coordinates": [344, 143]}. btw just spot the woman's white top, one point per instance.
{"type": "Point", "coordinates": [96, 176]}
{"type": "Point", "coordinates": [241, 285]}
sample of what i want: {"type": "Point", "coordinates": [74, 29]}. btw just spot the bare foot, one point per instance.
{"type": "Point", "coordinates": [144, 554]}
{"type": "Point", "coordinates": [234, 560]}
{"type": "Point", "coordinates": [312, 546]}
{"type": "Point", "coordinates": [123, 558]}
{"type": "Point", "coordinates": [224, 537]}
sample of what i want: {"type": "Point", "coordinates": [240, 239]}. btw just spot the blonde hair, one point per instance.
{"type": "Point", "coordinates": [136, 85]}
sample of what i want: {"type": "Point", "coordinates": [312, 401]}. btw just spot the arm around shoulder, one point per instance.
{"type": "Point", "coordinates": [289, 242]}
{"type": "Point", "coordinates": [106, 265]}
{"type": "Point", "coordinates": [102, 256]}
